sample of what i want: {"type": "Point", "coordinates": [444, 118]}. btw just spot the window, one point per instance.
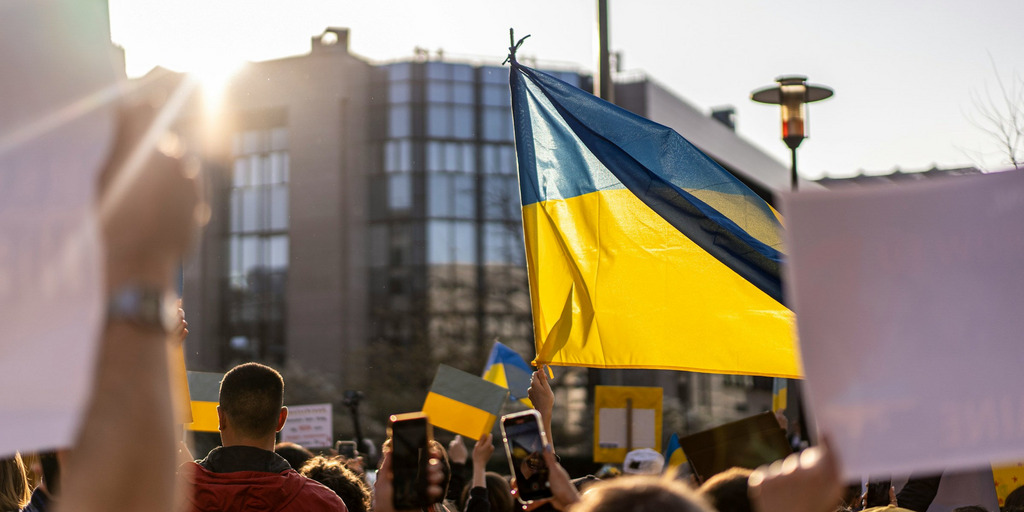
{"type": "Point", "coordinates": [400, 71]}
{"type": "Point", "coordinates": [450, 156]}
{"type": "Point", "coordinates": [398, 155]}
{"type": "Point", "coordinates": [503, 243]}
{"type": "Point", "coordinates": [501, 198]}
{"type": "Point", "coordinates": [499, 159]}
{"type": "Point", "coordinates": [450, 97]}
{"type": "Point", "coordinates": [400, 121]}
{"type": "Point", "coordinates": [379, 245]}
{"type": "Point", "coordinates": [400, 92]}
{"type": "Point", "coordinates": [497, 124]}
{"type": "Point", "coordinates": [496, 95]}
{"type": "Point", "coordinates": [257, 244]}
{"type": "Point", "coordinates": [451, 242]}
{"type": "Point", "coordinates": [451, 195]}
{"type": "Point", "coordinates": [399, 191]}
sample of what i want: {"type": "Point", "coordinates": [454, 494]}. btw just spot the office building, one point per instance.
{"type": "Point", "coordinates": [366, 220]}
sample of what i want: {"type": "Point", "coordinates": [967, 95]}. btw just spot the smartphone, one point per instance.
{"type": "Point", "coordinates": [410, 435]}
{"type": "Point", "coordinates": [346, 449]}
{"type": "Point", "coordinates": [525, 443]}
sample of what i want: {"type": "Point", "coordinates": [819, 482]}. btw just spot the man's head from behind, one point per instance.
{"type": "Point", "coordinates": [251, 406]}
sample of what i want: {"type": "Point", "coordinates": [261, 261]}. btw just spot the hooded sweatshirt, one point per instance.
{"type": "Point", "coordinates": [246, 478]}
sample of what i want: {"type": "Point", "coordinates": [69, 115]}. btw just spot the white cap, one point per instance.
{"type": "Point", "coordinates": [644, 461]}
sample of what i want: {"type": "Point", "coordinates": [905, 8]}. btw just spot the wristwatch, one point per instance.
{"type": "Point", "coordinates": [144, 307]}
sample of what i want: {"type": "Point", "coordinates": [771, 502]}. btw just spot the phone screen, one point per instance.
{"type": "Point", "coordinates": [346, 449]}
{"type": "Point", "coordinates": [525, 445]}
{"type": "Point", "coordinates": [409, 457]}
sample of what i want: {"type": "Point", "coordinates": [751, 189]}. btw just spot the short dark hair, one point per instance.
{"type": "Point", "coordinates": [251, 396]}
{"type": "Point", "coordinates": [1015, 500]}
{"type": "Point", "coordinates": [727, 491]}
{"type": "Point", "coordinates": [295, 454]}
{"type": "Point", "coordinates": [334, 473]}
{"type": "Point", "coordinates": [970, 508]}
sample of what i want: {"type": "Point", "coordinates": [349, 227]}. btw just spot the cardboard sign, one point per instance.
{"type": "Point", "coordinates": [747, 443]}
{"type": "Point", "coordinates": [908, 300]}
{"type": "Point", "coordinates": [625, 418]}
{"type": "Point", "coordinates": [311, 426]}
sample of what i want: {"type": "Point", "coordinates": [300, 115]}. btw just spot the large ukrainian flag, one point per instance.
{"type": "Point", "coordinates": [642, 251]}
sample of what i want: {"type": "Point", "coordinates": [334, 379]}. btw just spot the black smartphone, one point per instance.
{"type": "Point", "coordinates": [525, 443]}
{"type": "Point", "coordinates": [410, 436]}
{"type": "Point", "coordinates": [346, 449]}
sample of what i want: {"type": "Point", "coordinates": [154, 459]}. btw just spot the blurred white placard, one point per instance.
{"type": "Point", "coordinates": [309, 425]}
{"type": "Point", "coordinates": [910, 309]}
{"type": "Point", "coordinates": [613, 428]}
{"type": "Point", "coordinates": [57, 120]}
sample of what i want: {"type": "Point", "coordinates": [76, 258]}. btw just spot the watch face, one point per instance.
{"type": "Point", "coordinates": [169, 312]}
{"type": "Point", "coordinates": [144, 307]}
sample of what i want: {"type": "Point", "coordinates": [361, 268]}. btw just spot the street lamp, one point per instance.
{"type": "Point", "coordinates": [792, 93]}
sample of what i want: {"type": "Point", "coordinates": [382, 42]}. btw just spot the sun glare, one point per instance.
{"type": "Point", "coordinates": [213, 73]}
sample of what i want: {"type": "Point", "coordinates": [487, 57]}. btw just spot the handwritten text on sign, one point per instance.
{"type": "Point", "coordinates": [309, 425]}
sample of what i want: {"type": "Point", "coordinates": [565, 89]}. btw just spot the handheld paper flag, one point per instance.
{"type": "Point", "coordinates": [463, 403]}
{"type": "Point", "coordinates": [507, 369]}
{"type": "Point", "coordinates": [674, 455]}
{"type": "Point", "coordinates": [204, 391]}
{"type": "Point", "coordinates": [642, 251]}
{"type": "Point", "coordinates": [780, 394]}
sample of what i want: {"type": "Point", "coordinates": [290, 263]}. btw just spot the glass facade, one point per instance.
{"type": "Point", "coordinates": [446, 246]}
{"type": "Point", "coordinates": [257, 246]}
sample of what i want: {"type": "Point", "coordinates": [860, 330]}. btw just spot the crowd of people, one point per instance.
{"type": "Point", "coordinates": [251, 471]}
{"type": "Point", "coordinates": [129, 457]}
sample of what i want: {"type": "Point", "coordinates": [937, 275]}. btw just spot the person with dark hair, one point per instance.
{"type": "Point", "coordinates": [489, 492]}
{"type": "Point", "coordinates": [296, 454]}
{"type": "Point", "coordinates": [245, 473]}
{"type": "Point", "coordinates": [727, 491]}
{"type": "Point", "coordinates": [335, 474]}
{"type": "Point", "coordinates": [14, 488]}
{"type": "Point", "coordinates": [1014, 501]}
{"type": "Point", "coordinates": [970, 508]}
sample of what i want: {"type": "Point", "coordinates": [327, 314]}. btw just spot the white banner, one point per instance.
{"type": "Point", "coordinates": [309, 425]}
{"type": "Point", "coordinates": [57, 122]}
{"type": "Point", "coordinates": [910, 309]}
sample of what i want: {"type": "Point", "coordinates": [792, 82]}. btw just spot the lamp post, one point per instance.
{"type": "Point", "coordinates": [792, 93]}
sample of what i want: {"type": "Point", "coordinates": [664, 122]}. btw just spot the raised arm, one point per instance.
{"type": "Point", "coordinates": [543, 399]}
{"type": "Point", "coordinates": [125, 452]}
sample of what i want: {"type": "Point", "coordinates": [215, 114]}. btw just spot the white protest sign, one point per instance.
{"type": "Point", "coordinates": [57, 121]}
{"type": "Point", "coordinates": [909, 308]}
{"type": "Point", "coordinates": [309, 425]}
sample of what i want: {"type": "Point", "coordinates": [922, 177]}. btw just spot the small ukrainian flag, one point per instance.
{"type": "Point", "coordinates": [509, 370]}
{"type": "Point", "coordinates": [463, 403]}
{"type": "Point", "coordinates": [204, 393]}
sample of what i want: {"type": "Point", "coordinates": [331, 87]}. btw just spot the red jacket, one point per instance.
{"type": "Point", "coordinates": [282, 491]}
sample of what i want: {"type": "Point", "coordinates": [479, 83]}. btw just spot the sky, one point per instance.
{"type": "Point", "coordinates": [908, 75]}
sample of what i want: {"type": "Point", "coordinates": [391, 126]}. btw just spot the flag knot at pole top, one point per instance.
{"type": "Point", "coordinates": [514, 45]}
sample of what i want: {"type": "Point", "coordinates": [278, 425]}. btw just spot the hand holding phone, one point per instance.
{"type": "Point", "coordinates": [346, 449]}
{"type": "Point", "coordinates": [525, 444]}
{"type": "Point", "coordinates": [410, 435]}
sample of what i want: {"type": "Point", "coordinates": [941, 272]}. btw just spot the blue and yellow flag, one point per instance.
{"type": "Point", "coordinates": [463, 403]}
{"type": "Point", "coordinates": [642, 251]}
{"type": "Point", "coordinates": [204, 393]}
{"type": "Point", "coordinates": [509, 370]}
{"type": "Point", "coordinates": [674, 456]}
{"type": "Point", "coordinates": [780, 394]}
